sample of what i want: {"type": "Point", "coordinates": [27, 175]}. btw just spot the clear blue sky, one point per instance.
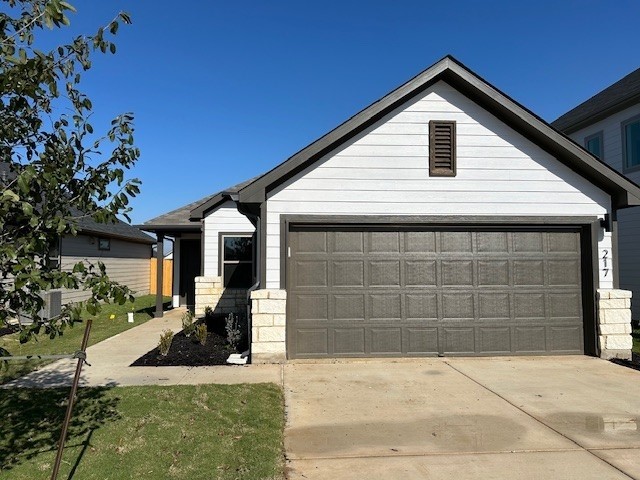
{"type": "Point", "coordinates": [223, 91]}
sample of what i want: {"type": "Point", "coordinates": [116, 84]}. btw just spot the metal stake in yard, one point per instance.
{"type": "Point", "coordinates": [81, 355]}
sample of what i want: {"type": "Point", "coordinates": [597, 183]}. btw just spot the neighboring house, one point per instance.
{"type": "Point", "coordinates": [608, 125]}
{"type": "Point", "coordinates": [124, 249]}
{"type": "Point", "coordinates": [444, 219]}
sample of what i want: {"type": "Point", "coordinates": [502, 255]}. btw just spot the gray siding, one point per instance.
{"type": "Point", "coordinates": [629, 218]}
{"type": "Point", "coordinates": [126, 262]}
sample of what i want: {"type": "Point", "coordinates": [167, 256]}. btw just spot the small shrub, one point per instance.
{"type": "Point", "coordinates": [208, 312]}
{"type": "Point", "coordinates": [236, 326]}
{"type": "Point", "coordinates": [201, 333]}
{"type": "Point", "coordinates": [166, 337]}
{"type": "Point", "coordinates": [188, 327]}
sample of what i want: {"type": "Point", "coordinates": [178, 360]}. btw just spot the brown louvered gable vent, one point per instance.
{"type": "Point", "coordinates": [442, 148]}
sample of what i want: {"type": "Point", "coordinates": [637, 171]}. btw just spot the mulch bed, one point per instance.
{"type": "Point", "coordinates": [187, 351]}
{"type": "Point", "coordinates": [633, 363]}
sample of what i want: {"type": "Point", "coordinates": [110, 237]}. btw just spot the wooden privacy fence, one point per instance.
{"type": "Point", "coordinates": [167, 276]}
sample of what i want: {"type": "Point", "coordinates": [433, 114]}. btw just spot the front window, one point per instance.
{"type": "Point", "coordinates": [631, 143]}
{"type": "Point", "coordinates": [237, 261]}
{"type": "Point", "coordinates": [593, 143]}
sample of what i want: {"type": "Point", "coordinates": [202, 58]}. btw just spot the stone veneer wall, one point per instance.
{"type": "Point", "coordinates": [210, 292]}
{"type": "Point", "coordinates": [614, 323]}
{"type": "Point", "coordinates": [268, 326]}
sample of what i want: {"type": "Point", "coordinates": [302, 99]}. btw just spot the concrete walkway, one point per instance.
{"type": "Point", "coordinates": [111, 358]}
{"type": "Point", "coordinates": [499, 418]}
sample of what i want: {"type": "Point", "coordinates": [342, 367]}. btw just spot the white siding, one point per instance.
{"type": "Point", "coordinates": [126, 263]}
{"type": "Point", "coordinates": [384, 171]}
{"type": "Point", "coordinates": [226, 219]}
{"type": "Point", "coordinates": [628, 218]}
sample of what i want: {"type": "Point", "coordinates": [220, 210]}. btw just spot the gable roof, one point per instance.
{"type": "Point", "coordinates": [623, 191]}
{"type": "Point", "coordinates": [622, 94]}
{"type": "Point", "coordinates": [178, 219]}
{"type": "Point", "coordinates": [187, 217]}
{"type": "Point", "coordinates": [213, 201]}
{"type": "Point", "coordinates": [88, 225]}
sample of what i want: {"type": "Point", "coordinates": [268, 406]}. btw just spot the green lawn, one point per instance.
{"type": "Point", "coordinates": [103, 327]}
{"type": "Point", "coordinates": [177, 432]}
{"type": "Point", "coordinates": [636, 340]}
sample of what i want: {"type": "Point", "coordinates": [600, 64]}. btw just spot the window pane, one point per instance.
{"type": "Point", "coordinates": [594, 146]}
{"type": "Point", "coordinates": [238, 275]}
{"type": "Point", "coordinates": [632, 137]}
{"type": "Point", "coordinates": [238, 248]}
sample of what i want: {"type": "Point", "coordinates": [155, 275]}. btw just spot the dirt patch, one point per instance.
{"type": "Point", "coordinates": [188, 352]}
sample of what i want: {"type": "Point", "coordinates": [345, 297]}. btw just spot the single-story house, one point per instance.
{"type": "Point", "coordinates": [124, 249]}
{"type": "Point", "coordinates": [443, 219]}
{"type": "Point", "coordinates": [608, 125]}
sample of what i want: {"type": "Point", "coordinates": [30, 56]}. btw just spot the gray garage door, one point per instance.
{"type": "Point", "coordinates": [359, 292]}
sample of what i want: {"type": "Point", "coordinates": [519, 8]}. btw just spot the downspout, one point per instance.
{"type": "Point", "coordinates": [256, 221]}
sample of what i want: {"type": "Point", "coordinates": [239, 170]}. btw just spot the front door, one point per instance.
{"type": "Point", "coordinates": [190, 262]}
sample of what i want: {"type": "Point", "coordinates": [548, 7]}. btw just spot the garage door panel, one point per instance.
{"type": "Point", "coordinates": [560, 242]}
{"type": "Point", "coordinates": [421, 341]}
{"type": "Point", "coordinates": [385, 306]}
{"type": "Point", "coordinates": [529, 306]}
{"type": "Point", "coordinates": [349, 341]}
{"type": "Point", "coordinates": [456, 242]}
{"type": "Point", "coordinates": [493, 273]}
{"type": "Point", "coordinates": [457, 306]}
{"type": "Point", "coordinates": [457, 273]}
{"type": "Point", "coordinates": [359, 291]}
{"type": "Point", "coordinates": [492, 242]}
{"type": "Point", "coordinates": [420, 273]}
{"type": "Point", "coordinates": [494, 306]}
{"type": "Point", "coordinates": [384, 242]}
{"type": "Point", "coordinates": [564, 338]}
{"type": "Point", "coordinates": [347, 242]}
{"type": "Point", "coordinates": [420, 242]}
{"type": "Point", "coordinates": [565, 305]}
{"type": "Point", "coordinates": [311, 242]}
{"type": "Point", "coordinates": [421, 305]}
{"type": "Point", "coordinates": [496, 340]}
{"type": "Point", "coordinates": [384, 273]}
{"type": "Point", "coordinates": [311, 273]}
{"type": "Point", "coordinates": [459, 340]}
{"type": "Point", "coordinates": [564, 273]}
{"type": "Point", "coordinates": [348, 306]}
{"type": "Point", "coordinates": [527, 242]}
{"type": "Point", "coordinates": [348, 273]}
{"type": "Point", "coordinates": [386, 340]}
{"type": "Point", "coordinates": [530, 339]}
{"type": "Point", "coordinates": [528, 273]}
{"type": "Point", "coordinates": [312, 307]}
{"type": "Point", "coordinates": [312, 341]}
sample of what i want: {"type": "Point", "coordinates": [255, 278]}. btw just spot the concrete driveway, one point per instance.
{"type": "Point", "coordinates": [494, 418]}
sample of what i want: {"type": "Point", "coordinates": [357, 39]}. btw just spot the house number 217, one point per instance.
{"type": "Point", "coordinates": [604, 261]}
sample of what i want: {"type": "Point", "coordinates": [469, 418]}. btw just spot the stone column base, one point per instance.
{"type": "Point", "coordinates": [614, 324]}
{"type": "Point", "coordinates": [268, 326]}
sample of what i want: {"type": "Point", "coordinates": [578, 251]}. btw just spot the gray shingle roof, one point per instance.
{"type": "Point", "coordinates": [180, 217]}
{"type": "Point", "coordinates": [614, 98]}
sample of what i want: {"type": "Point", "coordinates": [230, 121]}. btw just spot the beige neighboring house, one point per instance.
{"type": "Point", "coordinates": [124, 249]}
{"type": "Point", "coordinates": [608, 125]}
